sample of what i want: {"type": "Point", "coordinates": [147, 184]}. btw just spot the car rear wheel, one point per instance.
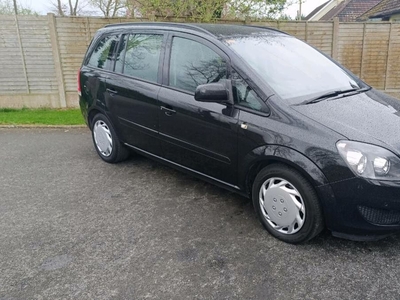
{"type": "Point", "coordinates": [287, 204]}
{"type": "Point", "coordinates": [106, 142]}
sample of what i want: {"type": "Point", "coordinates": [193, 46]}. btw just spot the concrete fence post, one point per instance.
{"type": "Point", "coordinates": [306, 32]}
{"type": "Point", "coordinates": [389, 51]}
{"type": "Point", "coordinates": [363, 51]}
{"type": "Point", "coordinates": [57, 59]}
{"type": "Point", "coordinates": [88, 31]}
{"type": "Point", "coordinates": [22, 54]}
{"type": "Point", "coordinates": [335, 38]}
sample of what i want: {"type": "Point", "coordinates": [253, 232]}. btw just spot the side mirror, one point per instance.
{"type": "Point", "coordinates": [213, 92]}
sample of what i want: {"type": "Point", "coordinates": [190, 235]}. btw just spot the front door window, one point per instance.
{"type": "Point", "coordinates": [193, 64]}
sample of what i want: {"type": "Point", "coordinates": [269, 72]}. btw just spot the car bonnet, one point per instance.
{"type": "Point", "coordinates": [363, 117]}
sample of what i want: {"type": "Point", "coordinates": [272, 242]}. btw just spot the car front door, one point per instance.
{"type": "Point", "coordinates": [197, 135]}
{"type": "Point", "coordinates": [133, 87]}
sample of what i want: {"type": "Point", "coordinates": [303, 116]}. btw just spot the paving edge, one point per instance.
{"type": "Point", "coordinates": [42, 126]}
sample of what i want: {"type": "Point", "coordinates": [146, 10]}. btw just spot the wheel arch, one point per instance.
{"type": "Point", "coordinates": [92, 113]}
{"type": "Point", "coordinates": [280, 154]}
{"type": "Point", "coordinates": [96, 110]}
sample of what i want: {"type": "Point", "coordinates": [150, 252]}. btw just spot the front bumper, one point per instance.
{"type": "Point", "coordinates": [361, 210]}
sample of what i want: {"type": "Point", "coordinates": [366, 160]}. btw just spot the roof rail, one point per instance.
{"type": "Point", "coordinates": [172, 24]}
{"type": "Point", "coordinates": [268, 28]}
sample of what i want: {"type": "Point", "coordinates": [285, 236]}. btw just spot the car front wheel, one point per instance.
{"type": "Point", "coordinates": [287, 204]}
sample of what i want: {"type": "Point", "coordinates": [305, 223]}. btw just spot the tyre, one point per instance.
{"type": "Point", "coordinates": [106, 142]}
{"type": "Point", "coordinates": [287, 204]}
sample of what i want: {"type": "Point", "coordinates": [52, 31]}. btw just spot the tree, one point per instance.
{"type": "Point", "coordinates": [110, 8]}
{"type": "Point", "coordinates": [206, 10]}
{"type": "Point", "coordinates": [285, 17]}
{"type": "Point", "coordinates": [69, 7]}
{"type": "Point", "coordinates": [134, 8]}
{"type": "Point", "coordinates": [256, 8]}
{"type": "Point", "coordinates": [203, 10]}
{"type": "Point", "coordinates": [7, 8]}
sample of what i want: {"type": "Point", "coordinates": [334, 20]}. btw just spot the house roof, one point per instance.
{"type": "Point", "coordinates": [346, 11]}
{"type": "Point", "coordinates": [317, 9]}
{"type": "Point", "coordinates": [383, 9]}
{"type": "Point", "coordinates": [335, 11]}
{"type": "Point", "coordinates": [350, 10]}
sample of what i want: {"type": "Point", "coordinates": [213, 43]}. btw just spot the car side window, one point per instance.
{"type": "Point", "coordinates": [102, 54]}
{"type": "Point", "coordinates": [193, 64]}
{"type": "Point", "coordinates": [243, 94]}
{"type": "Point", "coordinates": [142, 56]}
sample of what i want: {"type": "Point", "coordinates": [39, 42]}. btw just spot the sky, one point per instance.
{"type": "Point", "coordinates": [43, 6]}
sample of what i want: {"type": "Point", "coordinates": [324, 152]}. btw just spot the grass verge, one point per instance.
{"type": "Point", "coordinates": [42, 116]}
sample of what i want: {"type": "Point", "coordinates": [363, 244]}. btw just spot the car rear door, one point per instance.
{"type": "Point", "coordinates": [133, 87]}
{"type": "Point", "coordinates": [198, 135]}
{"type": "Point", "coordinates": [96, 69]}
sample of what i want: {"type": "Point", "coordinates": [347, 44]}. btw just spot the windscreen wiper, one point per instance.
{"type": "Point", "coordinates": [334, 94]}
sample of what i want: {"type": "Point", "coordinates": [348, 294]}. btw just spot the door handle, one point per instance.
{"type": "Point", "coordinates": [168, 111]}
{"type": "Point", "coordinates": [112, 91]}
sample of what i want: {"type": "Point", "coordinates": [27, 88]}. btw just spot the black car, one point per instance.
{"type": "Point", "coordinates": [253, 110]}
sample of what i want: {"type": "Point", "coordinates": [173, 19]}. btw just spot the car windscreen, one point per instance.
{"type": "Point", "coordinates": [293, 69]}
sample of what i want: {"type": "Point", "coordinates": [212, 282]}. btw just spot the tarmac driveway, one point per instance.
{"type": "Point", "coordinates": [74, 227]}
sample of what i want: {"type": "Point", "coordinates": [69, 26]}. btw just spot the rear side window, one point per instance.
{"type": "Point", "coordinates": [142, 56]}
{"type": "Point", "coordinates": [102, 54]}
{"type": "Point", "coordinates": [193, 64]}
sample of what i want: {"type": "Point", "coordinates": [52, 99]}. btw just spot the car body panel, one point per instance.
{"type": "Point", "coordinates": [199, 135]}
{"type": "Point", "coordinates": [359, 118]}
{"type": "Point", "coordinates": [353, 193]}
{"type": "Point", "coordinates": [93, 83]}
{"type": "Point", "coordinates": [289, 129]}
{"type": "Point", "coordinates": [135, 105]}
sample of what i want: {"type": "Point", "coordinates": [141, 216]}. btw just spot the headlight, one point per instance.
{"type": "Point", "coordinates": [370, 161]}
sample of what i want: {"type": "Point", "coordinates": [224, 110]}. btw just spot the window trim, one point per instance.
{"type": "Point", "coordinates": [195, 38]}
{"type": "Point", "coordinates": [116, 51]}
{"type": "Point", "coordinates": [253, 111]}
{"type": "Point", "coordinates": [246, 108]}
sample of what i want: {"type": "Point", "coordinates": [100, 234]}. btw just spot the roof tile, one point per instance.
{"type": "Point", "coordinates": [384, 8]}
{"type": "Point", "coordinates": [350, 10]}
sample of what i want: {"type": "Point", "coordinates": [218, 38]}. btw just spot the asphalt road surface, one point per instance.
{"type": "Point", "coordinates": [74, 227]}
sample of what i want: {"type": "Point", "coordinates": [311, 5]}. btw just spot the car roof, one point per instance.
{"type": "Point", "coordinates": [216, 30]}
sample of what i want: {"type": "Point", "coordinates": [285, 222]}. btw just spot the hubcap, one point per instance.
{"type": "Point", "coordinates": [103, 138]}
{"type": "Point", "coordinates": [282, 205]}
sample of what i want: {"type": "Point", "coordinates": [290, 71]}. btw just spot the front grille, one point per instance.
{"type": "Point", "coordinates": [380, 216]}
